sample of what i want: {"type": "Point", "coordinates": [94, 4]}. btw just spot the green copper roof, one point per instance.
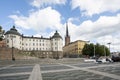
{"type": "Point", "coordinates": [56, 35]}
{"type": "Point", "coordinates": [13, 31]}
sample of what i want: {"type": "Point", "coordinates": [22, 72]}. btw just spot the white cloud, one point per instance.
{"type": "Point", "coordinates": [104, 30]}
{"type": "Point", "coordinates": [40, 20]}
{"type": "Point", "coordinates": [42, 3]}
{"type": "Point", "coordinates": [103, 26]}
{"type": "Point", "coordinates": [91, 7]}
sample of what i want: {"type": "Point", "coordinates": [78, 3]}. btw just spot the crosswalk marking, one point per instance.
{"type": "Point", "coordinates": [36, 73]}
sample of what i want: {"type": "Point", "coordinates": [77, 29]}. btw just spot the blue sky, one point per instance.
{"type": "Point", "coordinates": [97, 21]}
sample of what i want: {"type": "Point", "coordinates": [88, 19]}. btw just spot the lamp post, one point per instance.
{"type": "Point", "coordinates": [13, 58]}
{"type": "Point", "coordinates": [94, 50]}
{"type": "Point", "coordinates": [104, 51]}
{"type": "Point", "coordinates": [57, 50]}
{"type": "Point", "coordinates": [109, 47]}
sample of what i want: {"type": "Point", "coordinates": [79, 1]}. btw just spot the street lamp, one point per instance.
{"type": "Point", "coordinates": [13, 58]}
{"type": "Point", "coordinates": [104, 51]}
{"type": "Point", "coordinates": [57, 50]}
{"type": "Point", "coordinates": [109, 47]}
{"type": "Point", "coordinates": [94, 50]}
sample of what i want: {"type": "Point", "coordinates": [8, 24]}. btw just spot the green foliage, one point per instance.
{"type": "Point", "coordinates": [1, 39]}
{"type": "Point", "coordinates": [100, 50]}
{"type": "Point", "coordinates": [1, 33]}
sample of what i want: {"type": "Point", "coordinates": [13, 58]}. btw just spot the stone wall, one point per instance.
{"type": "Point", "coordinates": [6, 53]}
{"type": "Point", "coordinates": [43, 54]}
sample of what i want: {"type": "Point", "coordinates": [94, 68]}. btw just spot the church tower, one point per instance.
{"type": "Point", "coordinates": [67, 37]}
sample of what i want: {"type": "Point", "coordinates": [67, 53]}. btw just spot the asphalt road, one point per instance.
{"type": "Point", "coordinates": [58, 70]}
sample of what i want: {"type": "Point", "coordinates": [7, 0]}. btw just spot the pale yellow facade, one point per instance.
{"type": "Point", "coordinates": [74, 48]}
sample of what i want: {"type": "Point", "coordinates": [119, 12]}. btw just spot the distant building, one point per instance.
{"type": "Point", "coordinates": [72, 49]}
{"type": "Point", "coordinates": [43, 47]}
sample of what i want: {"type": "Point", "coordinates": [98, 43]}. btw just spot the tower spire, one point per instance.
{"type": "Point", "coordinates": [67, 37]}
{"type": "Point", "coordinates": [67, 33]}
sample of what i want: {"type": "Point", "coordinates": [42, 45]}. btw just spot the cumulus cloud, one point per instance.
{"type": "Point", "coordinates": [42, 3]}
{"type": "Point", "coordinates": [103, 26]}
{"type": "Point", "coordinates": [91, 7]}
{"type": "Point", "coordinates": [104, 30]}
{"type": "Point", "coordinates": [40, 20]}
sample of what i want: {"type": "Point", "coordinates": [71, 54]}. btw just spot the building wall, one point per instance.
{"type": "Point", "coordinates": [13, 41]}
{"type": "Point", "coordinates": [45, 47]}
{"type": "Point", "coordinates": [57, 44]}
{"type": "Point", "coordinates": [30, 44]}
{"type": "Point", "coordinates": [74, 48]}
{"type": "Point", "coordinates": [2, 43]}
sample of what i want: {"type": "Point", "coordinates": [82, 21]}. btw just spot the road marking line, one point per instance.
{"type": "Point", "coordinates": [14, 74]}
{"type": "Point", "coordinates": [36, 73]}
{"type": "Point", "coordinates": [6, 67]}
{"type": "Point", "coordinates": [62, 70]}
{"type": "Point", "coordinates": [94, 71]}
{"type": "Point", "coordinates": [103, 73]}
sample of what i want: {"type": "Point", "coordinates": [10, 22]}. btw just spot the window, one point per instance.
{"type": "Point", "coordinates": [7, 41]}
{"type": "Point", "coordinates": [55, 48]}
{"type": "Point", "coordinates": [33, 44]}
{"type": "Point", "coordinates": [7, 45]}
{"type": "Point", "coordinates": [36, 44]}
{"type": "Point", "coordinates": [36, 48]}
{"type": "Point", "coordinates": [55, 43]}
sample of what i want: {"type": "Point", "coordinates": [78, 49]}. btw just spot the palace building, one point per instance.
{"type": "Point", "coordinates": [42, 47]}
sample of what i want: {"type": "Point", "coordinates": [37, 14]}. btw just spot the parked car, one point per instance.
{"type": "Point", "coordinates": [116, 58]}
{"type": "Point", "coordinates": [104, 60]}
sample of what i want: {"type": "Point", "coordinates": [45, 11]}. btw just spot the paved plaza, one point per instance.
{"type": "Point", "coordinates": [58, 70]}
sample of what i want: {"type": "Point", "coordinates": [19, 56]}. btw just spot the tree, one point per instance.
{"type": "Point", "coordinates": [100, 50]}
{"type": "Point", "coordinates": [1, 33]}
{"type": "Point", "coordinates": [86, 49]}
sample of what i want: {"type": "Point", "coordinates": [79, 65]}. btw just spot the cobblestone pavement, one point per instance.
{"type": "Point", "coordinates": [61, 71]}
{"type": "Point", "coordinates": [78, 72]}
